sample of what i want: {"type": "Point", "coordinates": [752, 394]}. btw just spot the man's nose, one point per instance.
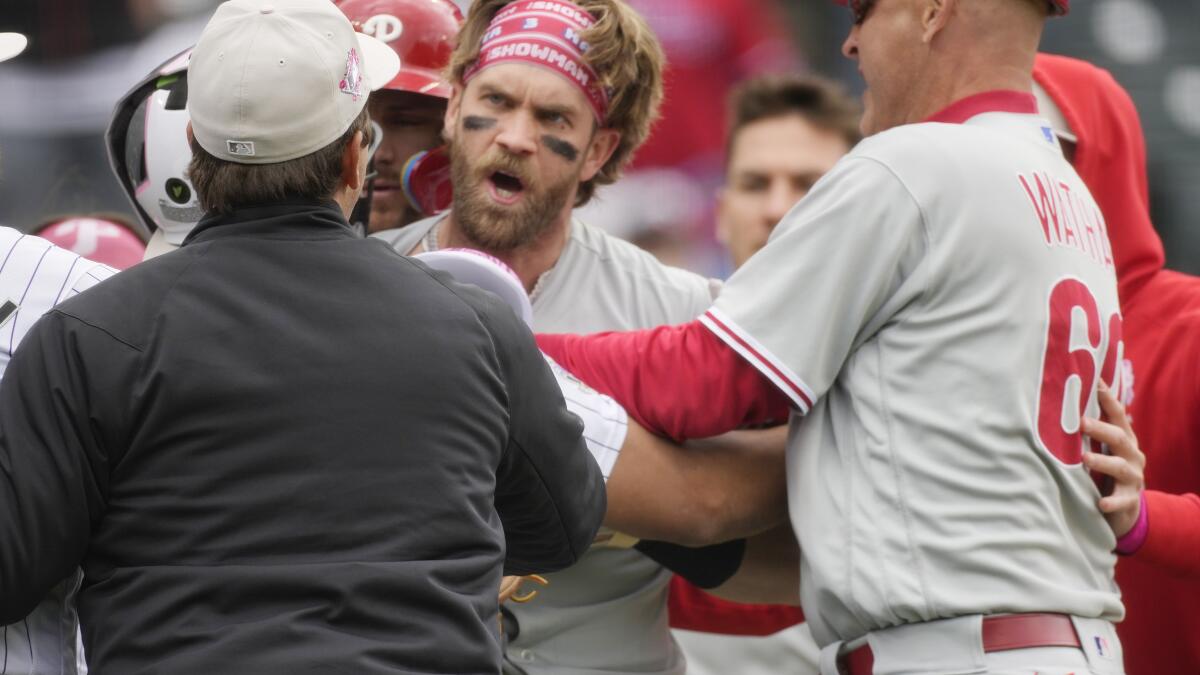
{"type": "Point", "coordinates": [518, 134]}
{"type": "Point", "coordinates": [850, 46]}
{"type": "Point", "coordinates": [780, 199]}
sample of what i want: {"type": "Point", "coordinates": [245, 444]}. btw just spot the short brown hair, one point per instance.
{"type": "Point", "coordinates": [823, 103]}
{"type": "Point", "coordinates": [626, 56]}
{"type": "Point", "coordinates": [221, 185]}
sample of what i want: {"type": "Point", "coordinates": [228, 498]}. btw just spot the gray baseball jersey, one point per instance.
{"type": "Point", "coordinates": [607, 614]}
{"type": "Point", "coordinates": [940, 305]}
{"type": "Point", "coordinates": [35, 275]}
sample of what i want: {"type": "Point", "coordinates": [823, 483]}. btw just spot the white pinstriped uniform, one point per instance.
{"type": "Point", "coordinates": [36, 275]}
{"type": "Point", "coordinates": [605, 422]}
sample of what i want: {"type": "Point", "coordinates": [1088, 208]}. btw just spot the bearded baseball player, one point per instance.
{"type": "Point", "coordinates": [937, 312]}
{"type": "Point", "coordinates": [550, 100]}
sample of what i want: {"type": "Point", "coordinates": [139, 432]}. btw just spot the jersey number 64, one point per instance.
{"type": "Point", "coordinates": [1074, 341]}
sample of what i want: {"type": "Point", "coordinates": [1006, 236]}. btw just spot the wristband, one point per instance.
{"type": "Point", "coordinates": [1131, 541]}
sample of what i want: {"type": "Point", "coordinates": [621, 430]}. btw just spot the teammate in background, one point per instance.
{"type": "Point", "coordinates": [918, 308]}
{"type": "Point", "coordinates": [35, 276]}
{"type": "Point", "coordinates": [529, 140]}
{"type": "Point", "coordinates": [410, 108]}
{"type": "Point", "coordinates": [1161, 311]}
{"type": "Point", "coordinates": [785, 133]}
{"type": "Point", "coordinates": [104, 238]}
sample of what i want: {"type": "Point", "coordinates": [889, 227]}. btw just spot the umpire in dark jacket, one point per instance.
{"type": "Point", "coordinates": [260, 467]}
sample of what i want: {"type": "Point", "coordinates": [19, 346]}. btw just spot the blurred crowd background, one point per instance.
{"type": "Point", "coordinates": [55, 101]}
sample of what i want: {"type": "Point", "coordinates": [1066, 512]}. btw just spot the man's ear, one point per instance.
{"type": "Point", "coordinates": [604, 143]}
{"type": "Point", "coordinates": [935, 14]}
{"type": "Point", "coordinates": [353, 175]}
{"type": "Point", "coordinates": [453, 106]}
{"type": "Point", "coordinates": [190, 136]}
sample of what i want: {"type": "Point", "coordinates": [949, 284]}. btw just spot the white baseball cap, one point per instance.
{"type": "Point", "coordinates": [273, 80]}
{"type": "Point", "coordinates": [11, 44]}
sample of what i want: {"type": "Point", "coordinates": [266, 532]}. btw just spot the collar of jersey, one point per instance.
{"type": "Point", "coordinates": [999, 100]}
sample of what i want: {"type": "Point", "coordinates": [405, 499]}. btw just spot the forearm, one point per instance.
{"type": "Point", "coordinates": [1173, 540]}
{"type": "Point", "coordinates": [677, 381]}
{"type": "Point", "coordinates": [710, 491]}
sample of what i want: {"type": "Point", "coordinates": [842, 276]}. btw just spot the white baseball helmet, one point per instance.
{"type": "Point", "coordinates": [149, 152]}
{"type": "Point", "coordinates": [470, 266]}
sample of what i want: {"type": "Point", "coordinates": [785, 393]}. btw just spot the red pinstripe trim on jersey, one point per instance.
{"type": "Point", "coordinates": [1000, 100]}
{"type": "Point", "coordinates": [758, 356]}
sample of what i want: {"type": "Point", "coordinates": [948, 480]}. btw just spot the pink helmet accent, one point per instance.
{"type": "Point", "coordinates": [100, 239]}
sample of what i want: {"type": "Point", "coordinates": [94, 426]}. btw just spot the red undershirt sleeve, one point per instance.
{"type": "Point", "coordinates": [693, 609]}
{"type": "Point", "coordinates": [677, 381]}
{"type": "Point", "coordinates": [1173, 542]}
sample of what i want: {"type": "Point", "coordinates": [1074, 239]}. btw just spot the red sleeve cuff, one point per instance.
{"type": "Point", "coordinates": [693, 609]}
{"type": "Point", "coordinates": [1131, 541]}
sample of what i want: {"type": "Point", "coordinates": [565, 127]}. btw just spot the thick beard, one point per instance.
{"type": "Point", "coordinates": [491, 227]}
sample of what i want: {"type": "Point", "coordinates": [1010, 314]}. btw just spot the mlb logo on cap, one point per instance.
{"type": "Point", "coordinates": [243, 148]}
{"type": "Point", "coordinates": [274, 80]}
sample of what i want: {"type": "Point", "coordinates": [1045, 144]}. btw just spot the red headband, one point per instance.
{"type": "Point", "coordinates": [543, 33]}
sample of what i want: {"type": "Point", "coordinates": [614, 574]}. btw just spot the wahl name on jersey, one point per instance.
{"type": "Point", "coordinates": [1067, 219]}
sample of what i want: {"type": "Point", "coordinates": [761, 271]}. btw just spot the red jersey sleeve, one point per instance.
{"type": "Point", "coordinates": [1173, 542]}
{"type": "Point", "coordinates": [692, 609]}
{"type": "Point", "coordinates": [677, 381]}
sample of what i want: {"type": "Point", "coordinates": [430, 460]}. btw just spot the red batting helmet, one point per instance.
{"type": "Point", "coordinates": [420, 31]}
{"type": "Point", "coordinates": [107, 240]}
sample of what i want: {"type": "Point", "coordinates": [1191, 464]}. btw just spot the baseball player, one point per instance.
{"type": "Point", "coordinates": [35, 275]}
{"type": "Point", "coordinates": [409, 109]}
{"type": "Point", "coordinates": [534, 125]}
{"type": "Point", "coordinates": [938, 309]}
{"type": "Point", "coordinates": [1098, 119]}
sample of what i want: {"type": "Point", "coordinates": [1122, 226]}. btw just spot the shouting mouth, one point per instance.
{"type": "Point", "coordinates": [505, 187]}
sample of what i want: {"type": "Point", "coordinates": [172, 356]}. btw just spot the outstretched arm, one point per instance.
{"type": "Point", "coordinates": [676, 381]}
{"type": "Point", "coordinates": [706, 492]}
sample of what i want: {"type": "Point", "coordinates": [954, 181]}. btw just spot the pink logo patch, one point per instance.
{"type": "Point", "coordinates": [352, 81]}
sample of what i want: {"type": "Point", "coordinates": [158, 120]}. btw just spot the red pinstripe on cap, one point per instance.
{"type": "Point", "coordinates": [1057, 7]}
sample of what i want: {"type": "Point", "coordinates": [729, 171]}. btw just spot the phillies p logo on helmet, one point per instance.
{"type": "Point", "coordinates": [383, 27]}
